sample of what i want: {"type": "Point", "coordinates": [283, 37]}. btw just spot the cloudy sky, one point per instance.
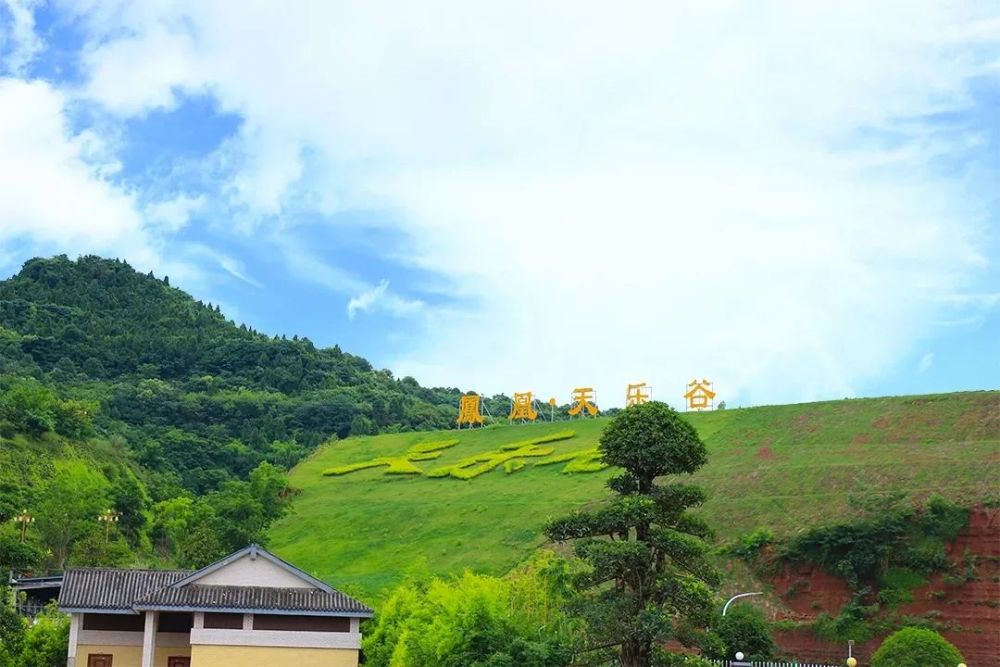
{"type": "Point", "coordinates": [798, 200]}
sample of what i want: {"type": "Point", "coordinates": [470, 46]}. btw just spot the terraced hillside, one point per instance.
{"type": "Point", "coordinates": [785, 467]}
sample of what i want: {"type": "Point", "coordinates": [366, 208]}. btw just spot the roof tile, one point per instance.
{"type": "Point", "coordinates": [115, 590]}
{"type": "Point", "coordinates": [112, 589]}
{"type": "Point", "coordinates": [196, 596]}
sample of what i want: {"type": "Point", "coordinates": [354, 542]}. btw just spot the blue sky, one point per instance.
{"type": "Point", "coordinates": [798, 203]}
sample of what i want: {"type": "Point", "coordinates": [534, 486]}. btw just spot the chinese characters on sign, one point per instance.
{"type": "Point", "coordinates": [522, 407]}
{"type": "Point", "coordinates": [583, 400]}
{"type": "Point", "coordinates": [469, 411]}
{"type": "Point", "coordinates": [700, 395]}
{"type": "Point", "coordinates": [636, 394]}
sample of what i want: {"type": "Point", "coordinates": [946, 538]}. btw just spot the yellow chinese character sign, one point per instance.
{"type": "Point", "coordinates": [583, 398]}
{"type": "Point", "coordinates": [469, 411]}
{"type": "Point", "coordinates": [636, 394]}
{"type": "Point", "coordinates": [699, 395]}
{"type": "Point", "coordinates": [522, 407]}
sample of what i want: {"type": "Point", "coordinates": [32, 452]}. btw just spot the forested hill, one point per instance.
{"type": "Point", "coordinates": [190, 393]}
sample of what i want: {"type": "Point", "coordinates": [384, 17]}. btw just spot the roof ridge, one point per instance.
{"type": "Point", "coordinates": [91, 568]}
{"type": "Point", "coordinates": [268, 588]}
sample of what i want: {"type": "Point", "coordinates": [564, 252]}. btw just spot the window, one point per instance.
{"type": "Point", "coordinates": [114, 622]}
{"type": "Point", "coordinates": [176, 622]}
{"type": "Point", "coordinates": [224, 621]}
{"type": "Point", "coordinates": [301, 623]}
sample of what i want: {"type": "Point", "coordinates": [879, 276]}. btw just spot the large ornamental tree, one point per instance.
{"type": "Point", "coordinates": [649, 579]}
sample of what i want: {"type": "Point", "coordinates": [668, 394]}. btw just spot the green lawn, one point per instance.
{"type": "Point", "coordinates": [786, 467]}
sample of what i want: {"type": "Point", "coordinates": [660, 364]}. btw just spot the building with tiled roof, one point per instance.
{"type": "Point", "coordinates": [247, 610]}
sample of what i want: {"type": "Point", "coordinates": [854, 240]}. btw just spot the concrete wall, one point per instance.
{"type": "Point", "coordinates": [258, 656]}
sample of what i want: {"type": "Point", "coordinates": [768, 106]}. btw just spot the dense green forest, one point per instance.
{"type": "Point", "coordinates": [189, 391]}
{"type": "Point", "coordinates": [119, 390]}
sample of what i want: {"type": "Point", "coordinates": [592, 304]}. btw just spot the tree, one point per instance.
{"type": "Point", "coordinates": [269, 486]}
{"type": "Point", "coordinates": [17, 555]}
{"type": "Point", "coordinates": [95, 550]}
{"type": "Point", "coordinates": [916, 647]}
{"type": "Point", "coordinates": [649, 579]}
{"type": "Point", "coordinates": [29, 407]}
{"type": "Point", "coordinates": [69, 507]}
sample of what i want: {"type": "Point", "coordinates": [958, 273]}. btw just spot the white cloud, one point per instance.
{"type": "Point", "coordinates": [925, 362]}
{"type": "Point", "coordinates": [51, 195]}
{"type": "Point", "coordinates": [379, 298]}
{"type": "Point", "coordinates": [656, 192]}
{"type": "Point", "coordinates": [307, 267]}
{"type": "Point", "coordinates": [172, 215]}
{"type": "Point", "coordinates": [230, 265]}
{"type": "Point", "coordinates": [18, 42]}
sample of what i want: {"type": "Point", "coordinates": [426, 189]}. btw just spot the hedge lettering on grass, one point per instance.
{"type": "Point", "coordinates": [510, 456]}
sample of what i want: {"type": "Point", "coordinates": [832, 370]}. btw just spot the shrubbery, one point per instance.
{"type": "Point", "coordinates": [890, 535]}
{"type": "Point", "coordinates": [745, 629]}
{"type": "Point", "coordinates": [916, 647]}
{"type": "Point", "coordinates": [477, 621]}
{"type": "Point", "coordinates": [42, 643]}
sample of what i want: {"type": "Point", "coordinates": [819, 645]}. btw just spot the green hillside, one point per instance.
{"type": "Point", "coordinates": [786, 467]}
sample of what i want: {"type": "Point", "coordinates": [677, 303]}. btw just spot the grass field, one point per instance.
{"type": "Point", "coordinates": [786, 467]}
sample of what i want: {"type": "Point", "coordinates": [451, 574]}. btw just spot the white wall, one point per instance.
{"type": "Point", "coordinates": [351, 640]}
{"type": "Point", "coordinates": [253, 572]}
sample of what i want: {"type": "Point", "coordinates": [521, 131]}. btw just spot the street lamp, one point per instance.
{"type": "Point", "coordinates": [852, 662]}
{"type": "Point", "coordinates": [25, 520]}
{"type": "Point", "coordinates": [737, 597]}
{"type": "Point", "coordinates": [109, 517]}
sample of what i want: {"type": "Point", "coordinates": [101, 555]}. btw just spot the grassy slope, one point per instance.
{"type": "Point", "coordinates": [781, 466]}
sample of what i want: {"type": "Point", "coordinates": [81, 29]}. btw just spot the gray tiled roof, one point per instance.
{"type": "Point", "coordinates": [112, 589]}
{"type": "Point", "coordinates": [303, 600]}
{"type": "Point", "coordinates": [128, 591]}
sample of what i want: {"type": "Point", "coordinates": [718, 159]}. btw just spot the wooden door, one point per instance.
{"type": "Point", "coordinates": [98, 660]}
{"type": "Point", "coordinates": [178, 661]}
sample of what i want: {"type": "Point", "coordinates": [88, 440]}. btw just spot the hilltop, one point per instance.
{"type": "Point", "coordinates": [784, 467]}
{"type": "Point", "coordinates": [191, 393]}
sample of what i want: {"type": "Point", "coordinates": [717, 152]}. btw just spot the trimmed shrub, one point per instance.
{"type": "Point", "coordinates": [916, 647]}
{"type": "Point", "coordinates": [513, 466]}
{"type": "Point", "coordinates": [584, 460]}
{"type": "Point", "coordinates": [436, 446]}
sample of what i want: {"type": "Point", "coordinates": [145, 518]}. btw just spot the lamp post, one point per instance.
{"type": "Point", "coordinates": [109, 517]}
{"type": "Point", "coordinates": [25, 520]}
{"type": "Point", "coordinates": [737, 597]}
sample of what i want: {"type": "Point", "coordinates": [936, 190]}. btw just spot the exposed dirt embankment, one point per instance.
{"type": "Point", "coordinates": [964, 603]}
